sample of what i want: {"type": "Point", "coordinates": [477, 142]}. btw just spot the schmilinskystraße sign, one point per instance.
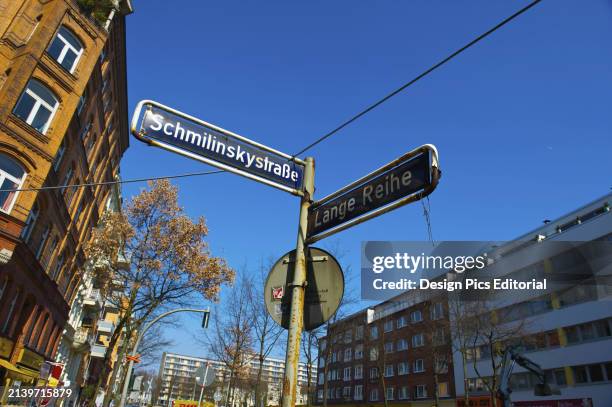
{"type": "Point", "coordinates": [197, 139]}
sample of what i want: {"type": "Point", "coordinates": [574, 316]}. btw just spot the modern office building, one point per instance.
{"type": "Point", "coordinates": [63, 121]}
{"type": "Point", "coordinates": [568, 330]}
{"type": "Point", "coordinates": [565, 329]}
{"type": "Point", "coordinates": [177, 372]}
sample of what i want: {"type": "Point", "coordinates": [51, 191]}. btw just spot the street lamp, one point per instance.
{"type": "Point", "coordinates": [126, 383]}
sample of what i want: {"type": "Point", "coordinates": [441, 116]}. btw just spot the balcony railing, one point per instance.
{"type": "Point", "coordinates": [98, 351]}
{"type": "Point", "coordinates": [82, 336]}
{"type": "Point", "coordinates": [105, 326]}
{"type": "Point", "coordinates": [92, 297]}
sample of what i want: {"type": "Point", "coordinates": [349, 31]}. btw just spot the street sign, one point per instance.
{"type": "Point", "coordinates": [205, 376]}
{"type": "Point", "coordinates": [180, 133]}
{"type": "Point", "coordinates": [406, 179]}
{"type": "Point", "coordinates": [324, 288]}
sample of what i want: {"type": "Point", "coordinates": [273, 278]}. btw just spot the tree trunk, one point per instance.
{"type": "Point", "coordinates": [259, 371]}
{"type": "Point", "coordinates": [436, 392]}
{"type": "Point", "coordinates": [466, 387]}
{"type": "Point", "coordinates": [120, 359]}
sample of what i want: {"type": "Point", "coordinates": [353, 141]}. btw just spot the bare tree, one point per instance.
{"type": "Point", "coordinates": [491, 335]}
{"type": "Point", "coordinates": [231, 340]}
{"type": "Point", "coordinates": [266, 332]}
{"type": "Point", "coordinates": [323, 346]}
{"type": "Point", "coordinates": [150, 257]}
{"type": "Point", "coordinates": [437, 337]}
{"type": "Point", "coordinates": [462, 328]}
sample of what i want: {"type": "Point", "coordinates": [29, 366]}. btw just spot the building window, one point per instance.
{"type": "Point", "coordinates": [420, 391]}
{"type": "Point", "coordinates": [347, 354]}
{"type": "Point", "coordinates": [346, 392]}
{"type": "Point", "coordinates": [374, 395]}
{"type": "Point", "coordinates": [36, 106]}
{"type": "Point", "coordinates": [85, 130]}
{"type": "Point", "coordinates": [388, 347]}
{"type": "Point", "coordinates": [359, 332]}
{"type": "Point", "coordinates": [402, 344]}
{"type": "Point", "coordinates": [416, 316]}
{"type": "Point", "coordinates": [66, 49]}
{"type": "Point", "coordinates": [11, 177]}
{"type": "Point", "coordinates": [388, 370]}
{"type": "Point", "coordinates": [390, 393]}
{"type": "Point", "coordinates": [404, 393]}
{"type": "Point", "coordinates": [441, 365]}
{"type": "Point", "coordinates": [82, 102]}
{"type": "Point", "coordinates": [437, 311]}
{"type": "Point", "coordinates": [388, 325]}
{"type": "Point", "coordinates": [373, 373]}
{"type": "Point", "coordinates": [374, 332]}
{"type": "Point", "coordinates": [347, 374]}
{"type": "Point", "coordinates": [374, 354]}
{"type": "Point", "coordinates": [42, 242]}
{"type": "Point", "coordinates": [358, 392]}
{"type": "Point", "coordinates": [401, 322]}
{"type": "Point", "coordinates": [418, 340]}
{"type": "Point", "coordinates": [59, 155]}
{"type": "Point", "coordinates": [419, 366]}
{"type": "Point", "coordinates": [443, 389]}
{"type": "Point", "coordinates": [58, 266]}
{"type": "Point", "coordinates": [359, 372]}
{"type": "Point", "coordinates": [359, 352]}
{"type": "Point", "coordinates": [402, 368]}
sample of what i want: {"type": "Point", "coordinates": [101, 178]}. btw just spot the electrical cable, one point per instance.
{"type": "Point", "coordinates": [417, 78]}
{"type": "Point", "coordinates": [325, 136]}
{"type": "Point", "coordinates": [127, 181]}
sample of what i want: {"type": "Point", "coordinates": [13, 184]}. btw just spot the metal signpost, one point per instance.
{"type": "Point", "coordinates": [204, 377]}
{"type": "Point", "coordinates": [407, 179]}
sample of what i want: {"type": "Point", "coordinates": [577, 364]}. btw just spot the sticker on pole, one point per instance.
{"type": "Point", "coordinates": [324, 288]}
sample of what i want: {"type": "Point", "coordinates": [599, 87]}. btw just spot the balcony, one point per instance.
{"type": "Point", "coordinates": [98, 351]}
{"type": "Point", "coordinates": [105, 326]}
{"type": "Point", "coordinates": [92, 298]}
{"type": "Point", "coordinates": [82, 338]}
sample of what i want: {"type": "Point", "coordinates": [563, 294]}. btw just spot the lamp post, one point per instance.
{"type": "Point", "coordinates": [126, 383]}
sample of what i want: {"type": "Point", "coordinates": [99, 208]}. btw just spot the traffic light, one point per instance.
{"type": "Point", "coordinates": [205, 318]}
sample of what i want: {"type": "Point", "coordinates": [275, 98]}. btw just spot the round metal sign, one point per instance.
{"type": "Point", "coordinates": [205, 377]}
{"type": "Point", "coordinates": [324, 288]}
{"type": "Point", "coordinates": [217, 395]}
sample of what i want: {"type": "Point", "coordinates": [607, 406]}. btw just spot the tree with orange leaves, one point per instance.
{"type": "Point", "coordinates": [151, 257]}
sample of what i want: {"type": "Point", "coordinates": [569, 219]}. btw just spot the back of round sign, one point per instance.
{"type": "Point", "coordinates": [324, 289]}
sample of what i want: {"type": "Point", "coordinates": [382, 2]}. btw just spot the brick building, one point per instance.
{"type": "Point", "coordinates": [63, 120]}
{"type": "Point", "coordinates": [396, 350]}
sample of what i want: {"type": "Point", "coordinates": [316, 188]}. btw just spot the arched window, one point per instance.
{"type": "Point", "coordinates": [36, 106]}
{"type": "Point", "coordinates": [11, 177]}
{"type": "Point", "coordinates": [66, 49]}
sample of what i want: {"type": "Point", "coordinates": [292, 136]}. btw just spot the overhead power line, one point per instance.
{"type": "Point", "coordinates": [127, 181]}
{"type": "Point", "coordinates": [320, 139]}
{"type": "Point", "coordinates": [417, 78]}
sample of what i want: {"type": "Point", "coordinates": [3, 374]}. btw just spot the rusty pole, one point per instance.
{"type": "Point", "coordinates": [297, 288]}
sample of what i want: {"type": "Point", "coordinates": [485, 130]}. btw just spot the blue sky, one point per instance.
{"type": "Point", "coordinates": [522, 120]}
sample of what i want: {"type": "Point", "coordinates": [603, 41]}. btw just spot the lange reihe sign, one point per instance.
{"type": "Point", "coordinates": [385, 188]}
{"type": "Point", "coordinates": [178, 132]}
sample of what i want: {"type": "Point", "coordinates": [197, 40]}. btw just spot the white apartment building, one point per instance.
{"type": "Point", "coordinates": [572, 324]}
{"type": "Point", "coordinates": [177, 378]}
